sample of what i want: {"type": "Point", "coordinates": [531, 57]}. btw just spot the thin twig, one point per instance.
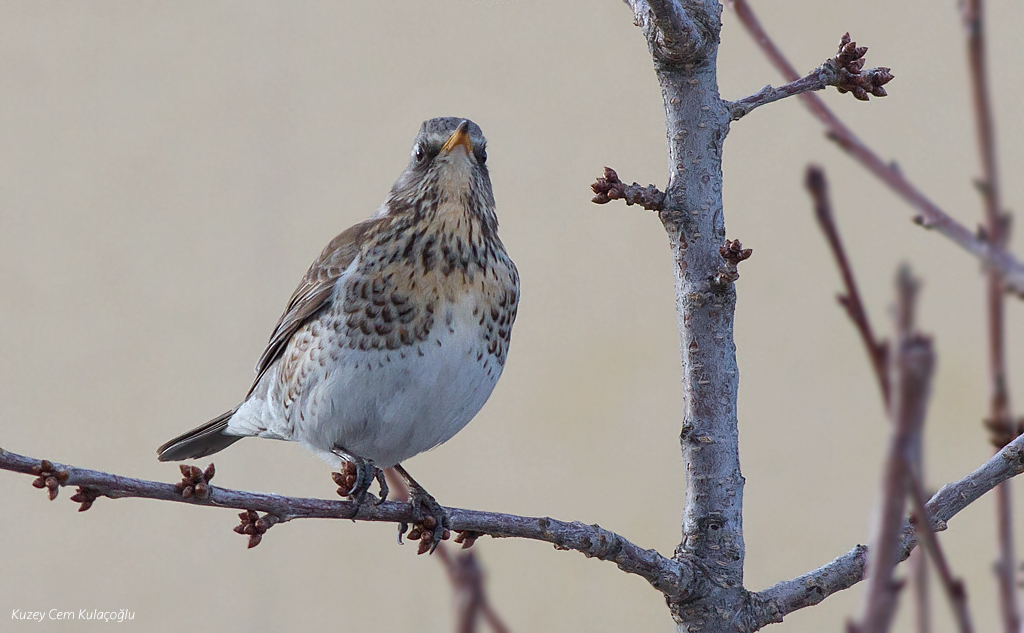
{"type": "Point", "coordinates": [1011, 269]}
{"type": "Point", "coordinates": [817, 185]}
{"type": "Point", "coordinates": [463, 572]}
{"type": "Point", "coordinates": [954, 587]}
{"type": "Point", "coordinates": [918, 564]}
{"type": "Point", "coordinates": [844, 70]}
{"type": "Point", "coordinates": [1000, 420]}
{"type": "Point", "coordinates": [912, 364]}
{"type": "Point", "coordinates": [670, 576]}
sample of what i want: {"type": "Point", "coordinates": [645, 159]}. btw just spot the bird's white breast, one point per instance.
{"type": "Point", "coordinates": [384, 405]}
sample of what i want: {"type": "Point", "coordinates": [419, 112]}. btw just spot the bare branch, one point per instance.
{"type": "Point", "coordinates": [997, 223]}
{"type": "Point", "coordinates": [818, 186]}
{"type": "Point", "coordinates": [847, 570]}
{"type": "Point", "coordinates": [930, 543]}
{"type": "Point", "coordinates": [844, 71]}
{"type": "Point", "coordinates": [1011, 270]}
{"type": "Point", "coordinates": [918, 563]}
{"type": "Point", "coordinates": [1006, 566]}
{"type": "Point", "coordinates": [911, 372]}
{"type": "Point", "coordinates": [851, 301]}
{"type": "Point", "coordinates": [672, 577]}
{"type": "Point", "coordinates": [672, 34]}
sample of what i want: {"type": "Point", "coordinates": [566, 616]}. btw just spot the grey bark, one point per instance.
{"type": "Point", "coordinates": [683, 40]}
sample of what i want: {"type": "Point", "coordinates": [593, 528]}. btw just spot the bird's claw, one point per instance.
{"type": "Point", "coordinates": [354, 481]}
{"type": "Point", "coordinates": [431, 523]}
{"type": "Point", "coordinates": [382, 482]}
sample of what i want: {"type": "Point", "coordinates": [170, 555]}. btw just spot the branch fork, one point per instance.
{"type": "Point", "coordinates": [674, 35]}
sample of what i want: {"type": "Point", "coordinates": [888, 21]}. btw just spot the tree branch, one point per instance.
{"type": "Point", "coordinates": [918, 575]}
{"type": "Point", "coordinates": [672, 34]}
{"type": "Point", "coordinates": [955, 590]}
{"type": "Point", "coordinates": [997, 224]}
{"type": "Point", "coordinates": [847, 570]}
{"type": "Point", "coordinates": [910, 376]}
{"type": "Point", "coordinates": [1011, 270]}
{"type": "Point", "coordinates": [843, 70]}
{"type": "Point", "coordinates": [877, 350]}
{"type": "Point", "coordinates": [672, 577]}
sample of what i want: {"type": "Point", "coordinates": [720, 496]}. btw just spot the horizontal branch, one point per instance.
{"type": "Point", "coordinates": [671, 577]}
{"type": "Point", "coordinates": [847, 570]}
{"type": "Point", "coordinates": [929, 215]}
{"type": "Point", "coordinates": [843, 70]}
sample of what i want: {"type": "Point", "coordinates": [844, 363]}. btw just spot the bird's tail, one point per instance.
{"type": "Point", "coordinates": [200, 441]}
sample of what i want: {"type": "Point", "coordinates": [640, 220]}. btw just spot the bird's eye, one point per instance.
{"type": "Point", "coordinates": [418, 152]}
{"type": "Point", "coordinates": [482, 155]}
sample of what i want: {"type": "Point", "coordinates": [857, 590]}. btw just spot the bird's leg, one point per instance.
{"type": "Point", "coordinates": [378, 474]}
{"type": "Point", "coordinates": [356, 476]}
{"type": "Point", "coordinates": [429, 517]}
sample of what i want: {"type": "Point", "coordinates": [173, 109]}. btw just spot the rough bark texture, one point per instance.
{"type": "Point", "coordinates": [697, 121]}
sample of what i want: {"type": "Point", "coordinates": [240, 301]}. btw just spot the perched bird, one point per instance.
{"type": "Point", "coordinates": [397, 333]}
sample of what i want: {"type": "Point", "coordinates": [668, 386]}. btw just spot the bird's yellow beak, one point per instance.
{"type": "Point", "coordinates": [459, 137]}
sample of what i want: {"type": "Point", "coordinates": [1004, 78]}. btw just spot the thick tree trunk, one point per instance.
{"type": "Point", "coordinates": [697, 122]}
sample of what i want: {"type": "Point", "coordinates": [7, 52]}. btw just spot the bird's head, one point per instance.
{"type": "Point", "coordinates": [447, 166]}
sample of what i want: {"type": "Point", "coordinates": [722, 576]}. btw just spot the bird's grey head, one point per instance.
{"type": "Point", "coordinates": [438, 138]}
{"type": "Point", "coordinates": [448, 162]}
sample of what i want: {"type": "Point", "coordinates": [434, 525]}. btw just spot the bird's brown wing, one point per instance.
{"type": "Point", "coordinates": [313, 294]}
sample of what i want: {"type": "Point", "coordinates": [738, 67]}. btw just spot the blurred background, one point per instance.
{"type": "Point", "coordinates": [169, 170]}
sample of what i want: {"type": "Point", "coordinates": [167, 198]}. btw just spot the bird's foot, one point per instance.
{"type": "Point", "coordinates": [354, 481]}
{"type": "Point", "coordinates": [431, 523]}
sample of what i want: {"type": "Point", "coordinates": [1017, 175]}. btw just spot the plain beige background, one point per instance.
{"type": "Point", "coordinates": [168, 171]}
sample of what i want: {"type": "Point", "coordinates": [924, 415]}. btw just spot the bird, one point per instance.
{"type": "Point", "coordinates": [397, 334]}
